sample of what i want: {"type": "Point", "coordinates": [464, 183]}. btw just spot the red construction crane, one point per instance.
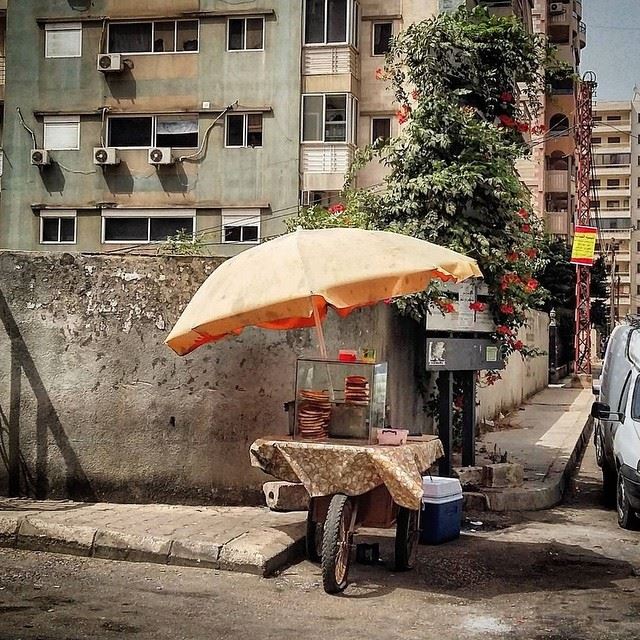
{"type": "Point", "coordinates": [583, 130]}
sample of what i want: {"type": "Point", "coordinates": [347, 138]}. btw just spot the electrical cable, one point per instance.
{"type": "Point", "coordinates": [205, 137]}
{"type": "Point", "coordinates": [24, 124]}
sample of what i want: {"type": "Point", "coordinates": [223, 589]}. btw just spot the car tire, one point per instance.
{"type": "Point", "coordinates": [599, 446]}
{"type": "Point", "coordinates": [627, 517]}
{"type": "Point", "coordinates": [609, 485]}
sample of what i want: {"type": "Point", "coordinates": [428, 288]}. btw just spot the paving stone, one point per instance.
{"type": "Point", "coordinates": [503, 475]}
{"type": "Point", "coordinates": [286, 496]}
{"type": "Point", "coordinates": [473, 501]}
{"type": "Point", "coordinates": [8, 531]}
{"type": "Point", "coordinates": [195, 553]}
{"type": "Point", "coordinates": [39, 534]}
{"type": "Point", "coordinates": [264, 551]}
{"type": "Point", "coordinates": [116, 545]}
{"type": "Point", "coordinates": [469, 476]}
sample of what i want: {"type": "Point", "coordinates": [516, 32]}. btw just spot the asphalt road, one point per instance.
{"type": "Point", "coordinates": [564, 574]}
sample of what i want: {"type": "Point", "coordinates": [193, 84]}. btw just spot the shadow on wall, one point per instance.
{"type": "Point", "coordinates": [21, 479]}
{"type": "Point", "coordinates": [122, 86]}
{"type": "Point", "coordinates": [53, 178]}
{"type": "Point", "coordinates": [119, 178]}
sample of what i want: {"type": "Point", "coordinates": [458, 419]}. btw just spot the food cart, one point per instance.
{"type": "Point", "coordinates": [336, 450]}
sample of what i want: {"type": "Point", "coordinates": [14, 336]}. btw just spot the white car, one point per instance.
{"type": "Point", "coordinates": [617, 428]}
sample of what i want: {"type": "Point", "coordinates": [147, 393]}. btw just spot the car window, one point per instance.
{"type": "Point", "coordinates": [635, 404]}
{"type": "Point", "coordinates": [622, 406]}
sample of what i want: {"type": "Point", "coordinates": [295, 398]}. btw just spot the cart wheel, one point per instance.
{"type": "Point", "coordinates": [407, 533]}
{"type": "Point", "coordinates": [313, 540]}
{"type": "Point", "coordinates": [336, 544]}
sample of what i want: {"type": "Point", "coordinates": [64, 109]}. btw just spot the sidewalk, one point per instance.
{"type": "Point", "coordinates": [546, 437]}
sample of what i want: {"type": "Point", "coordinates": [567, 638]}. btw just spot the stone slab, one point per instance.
{"type": "Point", "coordinates": [39, 534]}
{"type": "Point", "coordinates": [195, 553]}
{"type": "Point", "coordinates": [8, 531]}
{"type": "Point", "coordinates": [117, 545]}
{"type": "Point", "coordinates": [502, 475]}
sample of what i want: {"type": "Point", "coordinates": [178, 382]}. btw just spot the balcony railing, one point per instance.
{"type": "Point", "coordinates": [324, 60]}
{"type": "Point", "coordinates": [2, 69]}
{"type": "Point", "coordinates": [582, 34]}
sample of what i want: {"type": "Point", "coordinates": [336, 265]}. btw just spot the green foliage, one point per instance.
{"type": "Point", "coordinates": [183, 243]}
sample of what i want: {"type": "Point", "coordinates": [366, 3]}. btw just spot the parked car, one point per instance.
{"type": "Point", "coordinates": [617, 426]}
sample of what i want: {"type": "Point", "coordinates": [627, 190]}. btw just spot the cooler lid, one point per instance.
{"type": "Point", "coordinates": [437, 487]}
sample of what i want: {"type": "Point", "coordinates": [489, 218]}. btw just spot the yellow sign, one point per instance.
{"type": "Point", "coordinates": [584, 245]}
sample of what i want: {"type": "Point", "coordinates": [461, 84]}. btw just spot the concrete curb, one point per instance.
{"type": "Point", "coordinates": [260, 552]}
{"type": "Point", "coordinates": [536, 498]}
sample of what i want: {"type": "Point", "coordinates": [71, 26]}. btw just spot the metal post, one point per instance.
{"type": "Point", "coordinates": [445, 422]}
{"type": "Point", "coordinates": [468, 418]}
{"type": "Point", "coordinates": [553, 347]}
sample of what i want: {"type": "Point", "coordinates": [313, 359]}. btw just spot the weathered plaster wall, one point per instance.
{"type": "Point", "coordinates": [94, 406]}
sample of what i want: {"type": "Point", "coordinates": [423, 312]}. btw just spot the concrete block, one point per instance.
{"type": "Point", "coordinates": [503, 475]}
{"type": "Point", "coordinates": [473, 501]}
{"type": "Point", "coordinates": [37, 534]}
{"type": "Point", "coordinates": [195, 553]}
{"type": "Point", "coordinates": [264, 551]}
{"type": "Point", "coordinates": [116, 545]}
{"type": "Point", "coordinates": [469, 476]}
{"type": "Point", "coordinates": [8, 531]}
{"type": "Point", "coordinates": [286, 496]}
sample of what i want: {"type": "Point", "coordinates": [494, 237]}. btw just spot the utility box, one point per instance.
{"type": "Point", "coordinates": [463, 354]}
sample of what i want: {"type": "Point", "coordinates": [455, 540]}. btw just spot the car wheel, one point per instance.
{"type": "Point", "coordinates": [627, 517]}
{"type": "Point", "coordinates": [599, 445]}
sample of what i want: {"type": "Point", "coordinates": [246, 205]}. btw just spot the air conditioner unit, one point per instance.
{"type": "Point", "coordinates": [160, 155]}
{"type": "Point", "coordinates": [556, 8]}
{"type": "Point", "coordinates": [110, 63]}
{"type": "Point", "coordinates": [105, 155]}
{"type": "Point", "coordinates": [40, 157]}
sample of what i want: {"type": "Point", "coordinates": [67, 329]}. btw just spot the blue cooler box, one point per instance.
{"type": "Point", "coordinates": [441, 513]}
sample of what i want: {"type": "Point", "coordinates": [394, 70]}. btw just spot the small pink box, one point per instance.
{"type": "Point", "coordinates": [392, 437]}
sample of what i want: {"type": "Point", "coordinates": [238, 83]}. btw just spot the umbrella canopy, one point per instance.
{"type": "Point", "coordinates": [289, 282]}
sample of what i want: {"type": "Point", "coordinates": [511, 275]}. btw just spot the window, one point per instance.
{"type": "Point", "coordinates": [153, 131]}
{"type": "Point", "coordinates": [635, 401]}
{"type": "Point", "coordinates": [559, 124]}
{"type": "Point", "coordinates": [382, 36]}
{"type": "Point", "coordinates": [613, 182]}
{"type": "Point", "coordinates": [596, 140]}
{"type": "Point", "coordinates": [167, 36]}
{"type": "Point", "coordinates": [244, 130]}
{"type": "Point", "coordinates": [613, 204]}
{"type": "Point", "coordinates": [144, 225]}
{"type": "Point", "coordinates": [638, 285]}
{"type": "Point", "coordinates": [57, 227]}
{"type": "Point", "coordinates": [328, 118]}
{"type": "Point", "coordinates": [331, 22]}
{"type": "Point", "coordinates": [63, 40]}
{"type": "Point", "coordinates": [613, 118]}
{"type": "Point", "coordinates": [604, 159]}
{"type": "Point", "coordinates": [613, 140]}
{"type": "Point", "coordinates": [61, 132]}
{"type": "Point", "coordinates": [245, 34]}
{"type": "Point", "coordinates": [597, 118]}
{"type": "Point", "coordinates": [240, 225]}
{"type": "Point", "coordinates": [638, 205]}
{"type": "Point", "coordinates": [380, 129]}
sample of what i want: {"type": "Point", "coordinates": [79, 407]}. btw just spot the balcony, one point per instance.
{"type": "Point", "coordinates": [329, 60]}
{"type": "Point", "coordinates": [582, 35]}
{"type": "Point", "coordinates": [613, 192]}
{"type": "Point", "coordinates": [557, 181]}
{"type": "Point", "coordinates": [615, 213]}
{"type": "Point", "coordinates": [557, 223]}
{"type": "Point", "coordinates": [611, 126]}
{"type": "Point", "coordinates": [623, 170]}
{"type": "Point", "coordinates": [2, 77]}
{"type": "Point", "coordinates": [325, 165]}
{"type": "Point", "coordinates": [577, 7]}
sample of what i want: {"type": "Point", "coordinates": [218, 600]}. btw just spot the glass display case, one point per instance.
{"type": "Point", "coordinates": [336, 399]}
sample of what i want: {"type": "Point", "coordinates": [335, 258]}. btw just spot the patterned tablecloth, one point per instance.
{"type": "Point", "coordinates": [349, 467]}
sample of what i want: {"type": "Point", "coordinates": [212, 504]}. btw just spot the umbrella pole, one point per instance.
{"type": "Point", "coordinates": [320, 332]}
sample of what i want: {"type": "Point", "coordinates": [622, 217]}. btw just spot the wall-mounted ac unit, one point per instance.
{"type": "Point", "coordinates": [556, 8]}
{"type": "Point", "coordinates": [160, 155]}
{"type": "Point", "coordinates": [40, 157]}
{"type": "Point", "coordinates": [105, 155]}
{"type": "Point", "coordinates": [110, 63]}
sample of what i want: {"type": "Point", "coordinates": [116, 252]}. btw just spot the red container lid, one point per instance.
{"type": "Point", "coordinates": [347, 355]}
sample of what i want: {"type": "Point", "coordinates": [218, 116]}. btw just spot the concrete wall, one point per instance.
{"type": "Point", "coordinates": [522, 378]}
{"type": "Point", "coordinates": [94, 406]}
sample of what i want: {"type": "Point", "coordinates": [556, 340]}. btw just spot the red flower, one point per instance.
{"type": "Point", "coordinates": [477, 306]}
{"type": "Point", "coordinates": [507, 309]}
{"type": "Point", "coordinates": [506, 96]}
{"type": "Point", "coordinates": [337, 208]}
{"type": "Point", "coordinates": [507, 121]}
{"type": "Point", "coordinates": [458, 402]}
{"type": "Point", "coordinates": [523, 213]}
{"type": "Point", "coordinates": [531, 253]}
{"type": "Point", "coordinates": [531, 285]}
{"type": "Point", "coordinates": [512, 256]}
{"type": "Point", "coordinates": [540, 128]}
{"type": "Point", "coordinates": [518, 345]}
{"type": "Point", "coordinates": [448, 307]}
{"type": "Point", "coordinates": [503, 330]}
{"type": "Point", "coordinates": [522, 127]}
{"type": "Point", "coordinates": [403, 114]}
{"type": "Point", "coordinates": [509, 279]}
{"type": "Point", "coordinates": [380, 74]}
{"type": "Point", "coordinates": [415, 94]}
{"type": "Point", "coordinates": [388, 300]}
{"type": "Point", "coordinates": [526, 228]}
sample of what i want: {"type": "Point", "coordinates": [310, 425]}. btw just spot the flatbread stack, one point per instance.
{"type": "Point", "coordinates": [314, 414]}
{"type": "Point", "coordinates": [356, 390]}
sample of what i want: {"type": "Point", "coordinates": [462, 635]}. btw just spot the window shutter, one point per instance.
{"type": "Point", "coordinates": [62, 132]}
{"type": "Point", "coordinates": [63, 40]}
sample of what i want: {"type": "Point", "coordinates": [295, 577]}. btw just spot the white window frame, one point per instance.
{"type": "Point", "coordinates": [245, 131]}
{"type": "Point", "coordinates": [241, 218]}
{"type": "Point", "coordinates": [149, 214]}
{"type": "Point", "coordinates": [351, 115]}
{"type": "Point", "coordinates": [373, 36]}
{"type": "Point", "coordinates": [154, 121]}
{"type": "Point", "coordinates": [352, 30]}
{"type": "Point", "coordinates": [245, 18]}
{"type": "Point", "coordinates": [50, 121]}
{"type": "Point", "coordinates": [389, 118]}
{"type": "Point", "coordinates": [75, 27]}
{"type": "Point", "coordinates": [59, 214]}
{"type": "Point", "coordinates": [153, 31]}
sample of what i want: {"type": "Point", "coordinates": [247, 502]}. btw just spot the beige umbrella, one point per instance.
{"type": "Point", "coordinates": [289, 282]}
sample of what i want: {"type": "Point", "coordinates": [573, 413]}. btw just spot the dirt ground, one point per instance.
{"type": "Point", "coordinates": [565, 574]}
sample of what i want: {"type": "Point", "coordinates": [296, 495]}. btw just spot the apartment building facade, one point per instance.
{"type": "Point", "coordinates": [129, 122]}
{"type": "Point", "coordinates": [615, 202]}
